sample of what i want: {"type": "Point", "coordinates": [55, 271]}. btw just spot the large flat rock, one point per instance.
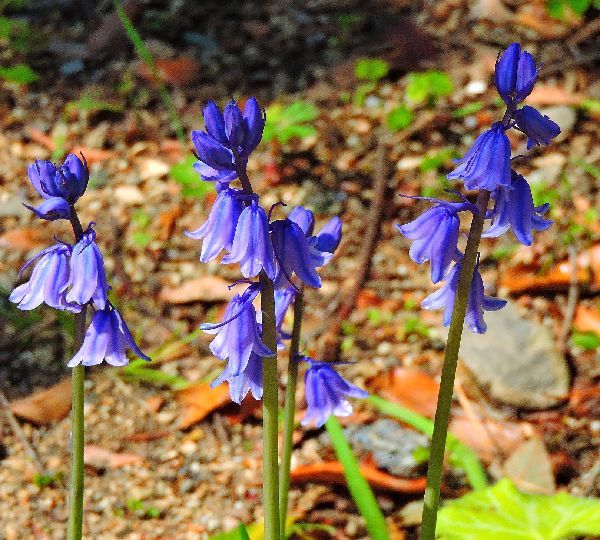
{"type": "Point", "coordinates": [516, 362]}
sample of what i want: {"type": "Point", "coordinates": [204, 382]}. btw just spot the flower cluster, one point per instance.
{"type": "Point", "coordinates": [485, 166]}
{"type": "Point", "coordinates": [287, 251]}
{"type": "Point", "coordinates": [71, 277]}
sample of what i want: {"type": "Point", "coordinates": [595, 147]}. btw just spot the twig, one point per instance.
{"type": "Point", "coordinates": [572, 298]}
{"type": "Point", "coordinates": [20, 434]}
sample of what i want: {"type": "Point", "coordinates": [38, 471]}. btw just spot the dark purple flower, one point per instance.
{"type": "Point", "coordinates": [218, 230]}
{"type": "Point", "coordinates": [60, 186]}
{"type": "Point", "coordinates": [293, 253]}
{"type": "Point", "coordinates": [88, 277]}
{"type": "Point", "coordinates": [107, 338]}
{"type": "Point", "coordinates": [514, 209]}
{"type": "Point", "coordinates": [478, 302]}
{"type": "Point", "coordinates": [537, 126]}
{"type": "Point", "coordinates": [486, 165]}
{"type": "Point", "coordinates": [326, 393]}
{"type": "Point", "coordinates": [230, 136]}
{"type": "Point", "coordinates": [515, 74]}
{"type": "Point", "coordinates": [435, 236]}
{"type": "Point", "coordinates": [249, 380]}
{"type": "Point", "coordinates": [251, 246]}
{"type": "Point", "coordinates": [326, 240]}
{"type": "Point", "coordinates": [329, 236]}
{"type": "Point", "coordinates": [238, 335]}
{"type": "Point", "coordinates": [48, 282]}
{"type": "Point", "coordinates": [304, 218]}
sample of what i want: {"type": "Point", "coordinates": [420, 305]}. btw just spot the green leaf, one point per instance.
{"type": "Point", "coordinates": [87, 102]}
{"type": "Point", "coordinates": [467, 110]}
{"type": "Point", "coordinates": [590, 341]}
{"type": "Point", "coordinates": [399, 118]}
{"type": "Point", "coordinates": [362, 92]}
{"type": "Point", "coordinates": [192, 185]}
{"type": "Point", "coordinates": [358, 486]}
{"type": "Point", "coordinates": [591, 169]}
{"type": "Point", "coordinates": [243, 532]}
{"type": "Point", "coordinates": [371, 69]}
{"type": "Point", "coordinates": [429, 85]}
{"type": "Point", "coordinates": [286, 123]}
{"type": "Point", "coordinates": [20, 74]}
{"type": "Point", "coordinates": [502, 511]}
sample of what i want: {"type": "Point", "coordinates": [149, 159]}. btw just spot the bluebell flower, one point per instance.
{"type": "Point", "coordinates": [284, 297]}
{"type": "Point", "coordinates": [293, 254]}
{"type": "Point", "coordinates": [326, 392]}
{"type": "Point", "coordinates": [515, 74]}
{"type": "Point", "coordinates": [329, 236]}
{"type": "Point", "coordinates": [48, 282]}
{"type": "Point", "coordinates": [239, 333]}
{"type": "Point", "coordinates": [87, 280]}
{"type": "Point", "coordinates": [218, 230]}
{"type": "Point", "coordinates": [251, 246]}
{"type": "Point", "coordinates": [59, 186]}
{"type": "Point", "coordinates": [435, 236]}
{"type": "Point", "coordinates": [477, 303]}
{"type": "Point", "coordinates": [514, 209]}
{"type": "Point", "coordinates": [537, 126]}
{"type": "Point", "coordinates": [230, 136]}
{"type": "Point", "coordinates": [106, 339]}
{"type": "Point", "coordinates": [249, 380]}
{"type": "Point", "coordinates": [304, 218]}
{"type": "Point", "coordinates": [486, 165]}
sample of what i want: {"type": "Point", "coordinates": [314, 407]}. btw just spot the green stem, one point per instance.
{"type": "Point", "coordinates": [270, 412]}
{"type": "Point", "coordinates": [442, 413]}
{"type": "Point", "coordinates": [289, 411]}
{"type": "Point", "coordinates": [74, 530]}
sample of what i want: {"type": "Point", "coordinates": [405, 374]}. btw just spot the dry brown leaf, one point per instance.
{"type": "Point", "coordinates": [584, 399]}
{"type": "Point", "coordinates": [175, 71]}
{"type": "Point", "coordinates": [199, 400]}
{"type": "Point", "coordinates": [333, 472]}
{"type": "Point", "coordinates": [410, 388]}
{"type": "Point", "coordinates": [24, 238]}
{"type": "Point", "coordinates": [203, 289]}
{"type": "Point", "coordinates": [46, 406]}
{"type": "Point", "coordinates": [100, 458]}
{"type": "Point", "coordinates": [166, 222]}
{"type": "Point", "coordinates": [535, 16]}
{"type": "Point", "coordinates": [544, 94]}
{"type": "Point", "coordinates": [41, 138]}
{"type": "Point", "coordinates": [587, 320]}
{"type": "Point", "coordinates": [147, 436]}
{"type": "Point", "coordinates": [93, 155]}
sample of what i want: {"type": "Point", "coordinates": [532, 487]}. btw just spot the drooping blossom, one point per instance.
{"type": "Point", "coordinates": [477, 303]}
{"type": "Point", "coordinates": [515, 74]}
{"type": "Point", "coordinates": [435, 236]}
{"type": "Point", "coordinates": [218, 230]}
{"type": "Point", "coordinates": [251, 246]}
{"type": "Point", "coordinates": [106, 339]}
{"type": "Point", "coordinates": [540, 130]}
{"type": "Point", "coordinates": [326, 393]}
{"type": "Point", "coordinates": [48, 282]}
{"type": "Point", "coordinates": [486, 165]}
{"type": "Point", "coordinates": [249, 380]}
{"type": "Point", "coordinates": [514, 209]}
{"type": "Point", "coordinates": [59, 186]}
{"type": "Point", "coordinates": [87, 281]}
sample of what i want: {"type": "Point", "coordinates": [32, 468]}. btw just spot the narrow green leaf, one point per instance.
{"type": "Point", "coordinates": [243, 532]}
{"type": "Point", "coordinates": [19, 73]}
{"type": "Point", "coordinates": [502, 511]}
{"type": "Point", "coordinates": [358, 486]}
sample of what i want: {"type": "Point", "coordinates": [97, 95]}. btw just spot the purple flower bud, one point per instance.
{"type": "Point", "coordinates": [435, 236]}
{"type": "Point", "coordinates": [251, 245]}
{"type": "Point", "coordinates": [249, 380]}
{"type": "Point", "coordinates": [107, 338]}
{"type": "Point", "coordinates": [486, 165]}
{"type": "Point", "coordinates": [326, 393]}
{"type": "Point", "coordinates": [234, 124]}
{"type": "Point", "coordinates": [238, 335]}
{"type": "Point", "coordinates": [537, 126]}
{"type": "Point", "coordinates": [88, 277]}
{"type": "Point", "coordinates": [514, 209]}
{"type": "Point", "coordinates": [48, 282]}
{"type": "Point", "coordinates": [478, 302]}
{"type": "Point", "coordinates": [218, 230]}
{"type": "Point", "coordinates": [515, 74]}
{"type": "Point", "coordinates": [215, 123]}
{"type": "Point", "coordinates": [293, 253]}
{"type": "Point", "coordinates": [209, 174]}
{"type": "Point", "coordinates": [60, 186]}
{"type": "Point", "coordinates": [304, 218]}
{"type": "Point", "coordinates": [254, 119]}
{"type": "Point", "coordinates": [212, 153]}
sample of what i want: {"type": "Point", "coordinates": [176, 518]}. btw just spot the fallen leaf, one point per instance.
{"type": "Point", "coordinates": [544, 94]}
{"type": "Point", "coordinates": [333, 472]}
{"type": "Point", "coordinates": [199, 400]}
{"type": "Point", "coordinates": [93, 155]}
{"type": "Point", "coordinates": [24, 238]}
{"type": "Point", "coordinates": [530, 468]}
{"type": "Point", "coordinates": [166, 222]}
{"type": "Point", "coordinates": [154, 403]}
{"type": "Point", "coordinates": [367, 298]}
{"type": "Point", "coordinates": [147, 436]}
{"type": "Point", "coordinates": [587, 320]}
{"type": "Point", "coordinates": [535, 16]}
{"type": "Point", "coordinates": [522, 278]}
{"type": "Point", "coordinates": [46, 406]}
{"type": "Point", "coordinates": [100, 458]}
{"type": "Point", "coordinates": [175, 71]}
{"type": "Point", "coordinates": [584, 399]}
{"type": "Point", "coordinates": [202, 289]}
{"type": "Point", "coordinates": [247, 408]}
{"type": "Point", "coordinates": [41, 138]}
{"type": "Point", "coordinates": [410, 388]}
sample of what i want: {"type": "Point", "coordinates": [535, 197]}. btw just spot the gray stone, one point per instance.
{"type": "Point", "coordinates": [516, 362]}
{"type": "Point", "coordinates": [392, 446]}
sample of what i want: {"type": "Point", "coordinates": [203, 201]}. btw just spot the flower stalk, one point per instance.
{"type": "Point", "coordinates": [444, 403]}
